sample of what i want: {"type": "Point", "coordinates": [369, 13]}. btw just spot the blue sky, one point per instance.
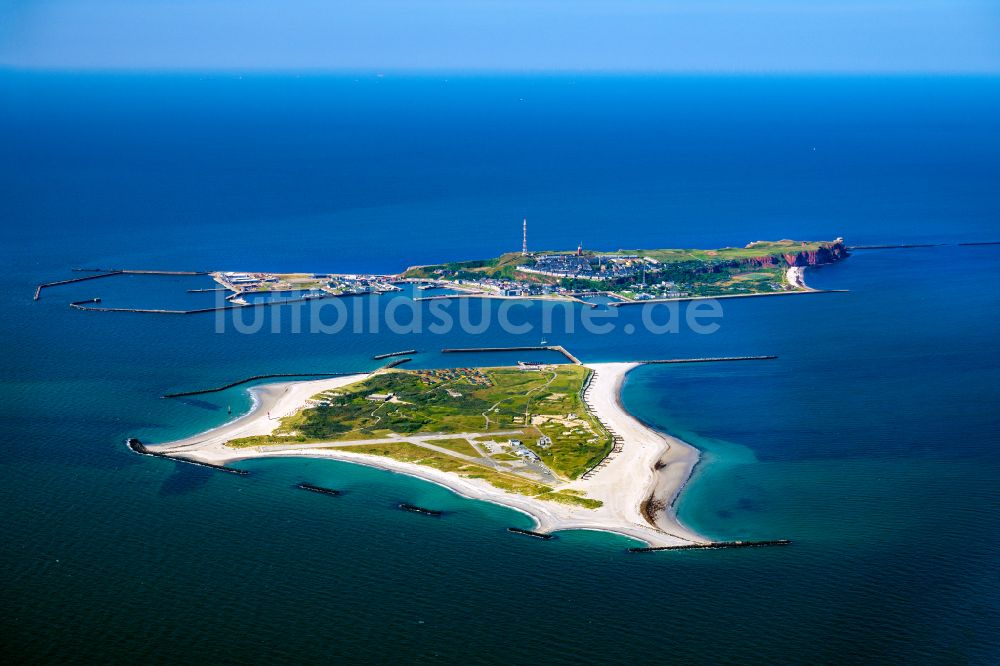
{"type": "Point", "coordinates": [724, 36]}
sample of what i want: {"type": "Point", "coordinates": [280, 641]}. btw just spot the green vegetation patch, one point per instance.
{"type": "Point", "coordinates": [265, 440]}
{"type": "Point", "coordinates": [502, 266]}
{"type": "Point", "coordinates": [457, 445]}
{"type": "Point", "coordinates": [457, 401]}
{"type": "Point", "coordinates": [417, 405]}
{"type": "Point", "coordinates": [543, 403]}
{"type": "Point", "coordinates": [565, 497]}
{"type": "Point", "coordinates": [411, 453]}
{"type": "Point", "coordinates": [756, 268]}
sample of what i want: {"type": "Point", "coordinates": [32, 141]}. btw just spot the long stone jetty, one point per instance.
{"type": "Point", "coordinates": [714, 545]}
{"type": "Point", "coordinates": [138, 447]}
{"type": "Point", "coordinates": [710, 359]}
{"type": "Point", "coordinates": [46, 285]}
{"type": "Point", "coordinates": [100, 273]}
{"type": "Point", "coordinates": [405, 352]}
{"type": "Point", "coordinates": [555, 348]}
{"type": "Point", "coordinates": [216, 389]}
{"type": "Point", "coordinates": [218, 308]}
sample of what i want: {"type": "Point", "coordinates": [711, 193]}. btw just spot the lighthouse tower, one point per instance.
{"type": "Point", "coordinates": [524, 241]}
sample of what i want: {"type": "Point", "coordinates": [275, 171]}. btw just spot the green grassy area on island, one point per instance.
{"type": "Point", "coordinates": [455, 444]}
{"type": "Point", "coordinates": [411, 453]}
{"type": "Point", "coordinates": [757, 268]}
{"type": "Point", "coordinates": [536, 403]}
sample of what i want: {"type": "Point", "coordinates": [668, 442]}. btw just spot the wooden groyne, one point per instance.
{"type": "Point", "coordinates": [981, 243]}
{"type": "Point", "coordinates": [554, 348]}
{"type": "Point", "coordinates": [530, 533]}
{"type": "Point", "coordinates": [46, 285]}
{"type": "Point", "coordinates": [89, 300]}
{"type": "Point", "coordinates": [419, 509]}
{"type": "Point", "coordinates": [254, 378]}
{"type": "Point", "coordinates": [318, 489]}
{"type": "Point", "coordinates": [138, 447]}
{"type": "Point", "coordinates": [713, 545]}
{"type": "Point", "coordinates": [617, 441]}
{"type": "Point", "coordinates": [711, 359]}
{"type": "Point", "coordinates": [379, 357]}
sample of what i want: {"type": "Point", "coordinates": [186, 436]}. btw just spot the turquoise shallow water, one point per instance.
{"type": "Point", "coordinates": [871, 441]}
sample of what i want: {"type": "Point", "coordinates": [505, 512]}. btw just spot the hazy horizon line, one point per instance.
{"type": "Point", "coordinates": [511, 72]}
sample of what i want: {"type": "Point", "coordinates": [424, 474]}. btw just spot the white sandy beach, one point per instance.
{"type": "Point", "coordinates": [796, 276]}
{"type": "Point", "coordinates": [644, 478]}
{"type": "Point", "coordinates": [271, 403]}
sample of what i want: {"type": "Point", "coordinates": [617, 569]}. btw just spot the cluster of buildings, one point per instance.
{"type": "Point", "coordinates": [599, 267]}
{"type": "Point", "coordinates": [518, 448]}
{"type": "Point", "coordinates": [470, 375]}
{"type": "Point", "coordinates": [632, 274]}
{"type": "Point", "coordinates": [240, 282]}
{"type": "Point", "coordinates": [360, 284]}
{"type": "Point", "coordinates": [336, 284]}
{"type": "Point", "coordinates": [625, 266]}
{"type": "Point", "coordinates": [560, 265]}
{"type": "Point", "coordinates": [662, 289]}
{"type": "Point", "coordinates": [506, 287]}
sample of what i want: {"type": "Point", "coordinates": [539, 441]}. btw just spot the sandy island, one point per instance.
{"type": "Point", "coordinates": [638, 485]}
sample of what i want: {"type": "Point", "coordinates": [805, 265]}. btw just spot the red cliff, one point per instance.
{"type": "Point", "coordinates": [827, 253]}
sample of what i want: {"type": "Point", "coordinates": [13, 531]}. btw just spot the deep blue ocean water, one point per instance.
{"type": "Point", "coordinates": [871, 442]}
